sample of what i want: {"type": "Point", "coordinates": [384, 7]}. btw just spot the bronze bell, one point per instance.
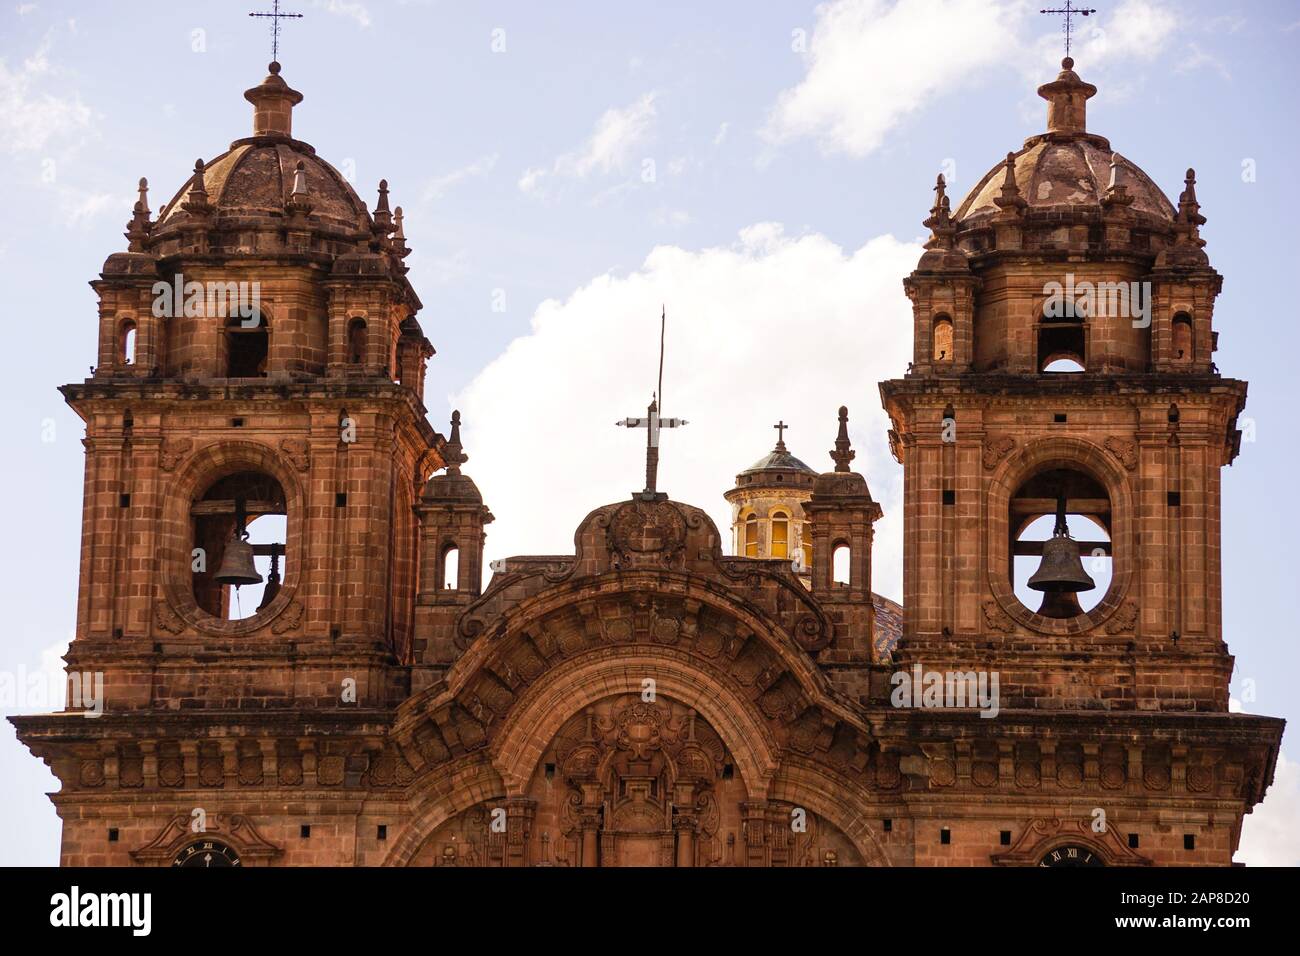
{"type": "Point", "coordinates": [237, 563]}
{"type": "Point", "coordinates": [1060, 575]}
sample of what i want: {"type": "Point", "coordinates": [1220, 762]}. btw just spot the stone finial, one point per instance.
{"type": "Point", "coordinates": [299, 202]}
{"type": "Point", "coordinates": [399, 235]}
{"type": "Point", "coordinates": [196, 200]}
{"type": "Point", "coordinates": [137, 229]}
{"type": "Point", "coordinates": [1190, 219]}
{"type": "Point", "coordinates": [1009, 200]}
{"type": "Point", "coordinates": [383, 217]}
{"type": "Point", "coordinates": [940, 223]}
{"type": "Point", "coordinates": [273, 102]}
{"type": "Point", "coordinates": [843, 453]}
{"type": "Point", "coordinates": [1116, 188]}
{"type": "Point", "coordinates": [1067, 100]}
{"type": "Point", "coordinates": [452, 452]}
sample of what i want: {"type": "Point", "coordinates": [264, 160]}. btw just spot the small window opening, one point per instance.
{"type": "Point", "coordinates": [1182, 343]}
{"type": "Point", "coordinates": [126, 343]}
{"type": "Point", "coordinates": [780, 534]}
{"type": "Point", "coordinates": [451, 568]}
{"type": "Point", "coordinates": [751, 536]}
{"type": "Point", "coordinates": [945, 836]}
{"type": "Point", "coordinates": [841, 561]}
{"type": "Point", "coordinates": [247, 346]}
{"type": "Point", "coordinates": [942, 339]}
{"type": "Point", "coordinates": [357, 338]}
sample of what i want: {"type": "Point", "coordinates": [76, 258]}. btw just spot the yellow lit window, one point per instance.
{"type": "Point", "coordinates": [780, 535]}
{"type": "Point", "coordinates": [751, 536]}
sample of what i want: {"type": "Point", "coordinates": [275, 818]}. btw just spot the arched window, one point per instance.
{"type": "Point", "coordinates": [248, 507]}
{"type": "Point", "coordinates": [1182, 344]}
{"type": "Point", "coordinates": [780, 535]}
{"type": "Point", "coordinates": [247, 345]}
{"type": "Point", "coordinates": [126, 342]}
{"type": "Point", "coordinates": [751, 536]}
{"type": "Point", "coordinates": [942, 339]}
{"type": "Point", "coordinates": [450, 568]}
{"type": "Point", "coordinates": [841, 563]}
{"type": "Point", "coordinates": [1061, 336]}
{"type": "Point", "coordinates": [1032, 522]}
{"type": "Point", "coordinates": [357, 341]}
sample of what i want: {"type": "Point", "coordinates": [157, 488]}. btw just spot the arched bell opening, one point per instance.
{"type": "Point", "coordinates": [238, 558]}
{"type": "Point", "coordinates": [1060, 549]}
{"type": "Point", "coordinates": [1062, 336]}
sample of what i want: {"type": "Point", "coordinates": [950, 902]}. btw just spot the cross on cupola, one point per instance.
{"type": "Point", "coordinates": [652, 423]}
{"type": "Point", "coordinates": [276, 16]}
{"type": "Point", "coordinates": [1069, 11]}
{"type": "Point", "coordinates": [780, 427]}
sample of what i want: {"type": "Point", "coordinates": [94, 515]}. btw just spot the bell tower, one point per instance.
{"type": "Point", "coordinates": [255, 435]}
{"type": "Point", "coordinates": [1062, 427]}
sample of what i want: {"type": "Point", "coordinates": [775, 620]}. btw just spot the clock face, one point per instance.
{"type": "Point", "coordinates": [206, 853]}
{"type": "Point", "coordinates": [1071, 856]}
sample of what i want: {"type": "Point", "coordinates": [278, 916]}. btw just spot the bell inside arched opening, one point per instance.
{"type": "Point", "coordinates": [1060, 549]}
{"type": "Point", "coordinates": [238, 555]}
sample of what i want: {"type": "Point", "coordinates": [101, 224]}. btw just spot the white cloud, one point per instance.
{"type": "Point", "coordinates": [1268, 835]}
{"type": "Point", "coordinates": [1137, 30]}
{"type": "Point", "coordinates": [618, 132]}
{"type": "Point", "coordinates": [772, 327]}
{"type": "Point", "coordinates": [1197, 58]}
{"type": "Point", "coordinates": [440, 185]}
{"type": "Point", "coordinates": [349, 10]}
{"type": "Point", "coordinates": [26, 8]}
{"type": "Point", "coordinates": [617, 135]}
{"type": "Point", "coordinates": [530, 180]}
{"type": "Point", "coordinates": [871, 63]}
{"type": "Point", "coordinates": [33, 118]}
{"type": "Point", "coordinates": [721, 135]}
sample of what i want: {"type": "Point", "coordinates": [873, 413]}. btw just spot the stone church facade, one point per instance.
{"type": "Point", "coordinates": [649, 699]}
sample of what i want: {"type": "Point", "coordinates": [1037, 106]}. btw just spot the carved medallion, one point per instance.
{"type": "Point", "coordinates": [297, 451]}
{"type": "Point", "coordinates": [1124, 620]}
{"type": "Point", "coordinates": [646, 534]}
{"type": "Point", "coordinates": [997, 447]}
{"type": "Point", "coordinates": [1123, 449]}
{"type": "Point", "coordinates": [173, 450]}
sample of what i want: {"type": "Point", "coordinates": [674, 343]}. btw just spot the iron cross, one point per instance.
{"type": "Point", "coordinates": [276, 16]}
{"type": "Point", "coordinates": [1070, 11]}
{"type": "Point", "coordinates": [652, 423]}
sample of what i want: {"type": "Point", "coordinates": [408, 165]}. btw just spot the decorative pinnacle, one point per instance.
{"type": "Point", "coordinates": [196, 201]}
{"type": "Point", "coordinates": [1010, 201]}
{"type": "Point", "coordinates": [780, 427]}
{"type": "Point", "coordinates": [452, 451]}
{"type": "Point", "coordinates": [843, 453]}
{"type": "Point", "coordinates": [940, 221]}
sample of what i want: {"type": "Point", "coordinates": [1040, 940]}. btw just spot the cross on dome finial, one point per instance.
{"type": "Point", "coordinates": [780, 427]}
{"type": "Point", "coordinates": [276, 16]}
{"type": "Point", "coordinates": [1069, 11]}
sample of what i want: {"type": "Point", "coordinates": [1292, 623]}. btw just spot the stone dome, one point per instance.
{"type": "Point", "coordinates": [1075, 172]}
{"type": "Point", "coordinates": [1066, 168]}
{"type": "Point", "coordinates": [779, 459]}
{"type": "Point", "coordinates": [253, 180]}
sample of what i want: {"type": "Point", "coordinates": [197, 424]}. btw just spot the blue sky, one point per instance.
{"type": "Point", "coordinates": [565, 168]}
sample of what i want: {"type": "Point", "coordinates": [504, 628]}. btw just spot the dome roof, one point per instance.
{"type": "Point", "coordinates": [255, 177]}
{"type": "Point", "coordinates": [779, 459]}
{"type": "Point", "coordinates": [1062, 173]}
{"type": "Point", "coordinates": [1067, 167]}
